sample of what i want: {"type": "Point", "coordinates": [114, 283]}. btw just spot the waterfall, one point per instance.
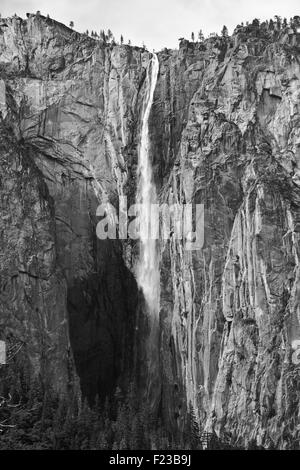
{"type": "Point", "coordinates": [148, 263]}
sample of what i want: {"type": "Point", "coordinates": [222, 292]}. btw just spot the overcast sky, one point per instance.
{"type": "Point", "coordinates": [158, 23]}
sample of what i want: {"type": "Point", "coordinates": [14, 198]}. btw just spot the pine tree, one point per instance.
{"type": "Point", "coordinates": [192, 430]}
{"type": "Point", "coordinates": [122, 445]}
{"type": "Point", "coordinates": [121, 424]}
{"type": "Point", "coordinates": [200, 36]}
{"type": "Point", "coordinates": [224, 32]}
{"type": "Point", "coordinates": [121, 39]}
{"type": "Point", "coordinates": [256, 23]}
{"type": "Point", "coordinates": [109, 35]}
{"type": "Point", "coordinates": [71, 24]}
{"type": "Point", "coordinates": [102, 35]}
{"type": "Point", "coordinates": [102, 443]}
{"type": "Point", "coordinates": [193, 37]}
{"type": "Point", "coordinates": [278, 21]}
{"type": "Point", "coordinates": [118, 399]}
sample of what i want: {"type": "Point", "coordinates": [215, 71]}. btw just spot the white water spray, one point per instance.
{"type": "Point", "coordinates": [148, 263]}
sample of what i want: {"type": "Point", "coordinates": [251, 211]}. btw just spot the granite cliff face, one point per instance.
{"type": "Point", "coordinates": [225, 132]}
{"type": "Point", "coordinates": [230, 312]}
{"type": "Point", "coordinates": [71, 108]}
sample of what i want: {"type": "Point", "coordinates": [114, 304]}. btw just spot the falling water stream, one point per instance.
{"type": "Point", "coordinates": [148, 262]}
{"type": "Point", "coordinates": [147, 268]}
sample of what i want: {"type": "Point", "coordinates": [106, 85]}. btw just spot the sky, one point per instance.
{"type": "Point", "coordinates": [157, 23]}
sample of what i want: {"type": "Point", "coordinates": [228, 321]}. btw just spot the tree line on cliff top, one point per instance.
{"type": "Point", "coordinates": [256, 27]}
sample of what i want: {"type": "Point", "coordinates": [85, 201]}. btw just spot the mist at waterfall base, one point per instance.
{"type": "Point", "coordinates": [147, 270]}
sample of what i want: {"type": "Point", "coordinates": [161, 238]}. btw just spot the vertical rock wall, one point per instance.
{"type": "Point", "coordinates": [74, 105]}
{"type": "Point", "coordinates": [229, 312]}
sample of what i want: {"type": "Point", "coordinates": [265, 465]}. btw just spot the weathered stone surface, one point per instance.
{"type": "Point", "coordinates": [229, 312]}
{"type": "Point", "coordinates": [75, 105]}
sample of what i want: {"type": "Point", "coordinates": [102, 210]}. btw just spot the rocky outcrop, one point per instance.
{"type": "Point", "coordinates": [229, 312]}
{"type": "Point", "coordinates": [224, 129]}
